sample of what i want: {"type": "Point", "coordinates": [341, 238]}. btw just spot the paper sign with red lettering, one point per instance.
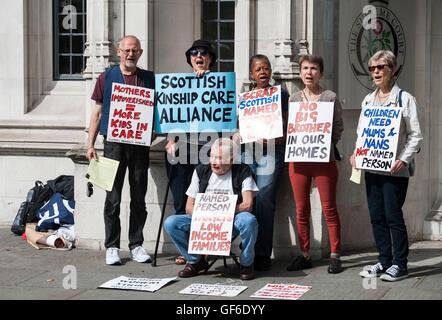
{"type": "Point", "coordinates": [309, 132]}
{"type": "Point", "coordinates": [131, 115]}
{"type": "Point", "coordinates": [260, 115]}
{"type": "Point", "coordinates": [378, 133]}
{"type": "Point", "coordinates": [212, 224]}
{"type": "Point", "coordinates": [281, 291]}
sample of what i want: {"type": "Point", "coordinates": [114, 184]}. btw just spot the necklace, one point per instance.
{"type": "Point", "coordinates": [315, 97]}
{"type": "Point", "coordinates": [384, 97]}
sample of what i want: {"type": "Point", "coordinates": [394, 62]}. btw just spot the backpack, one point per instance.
{"type": "Point", "coordinates": [35, 199]}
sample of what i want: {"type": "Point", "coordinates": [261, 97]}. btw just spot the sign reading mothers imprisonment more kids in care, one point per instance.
{"type": "Point", "coordinates": [212, 224]}
{"type": "Point", "coordinates": [260, 115]}
{"type": "Point", "coordinates": [131, 114]}
{"type": "Point", "coordinates": [378, 133]}
{"type": "Point", "coordinates": [309, 132]}
{"type": "Point", "coordinates": [186, 103]}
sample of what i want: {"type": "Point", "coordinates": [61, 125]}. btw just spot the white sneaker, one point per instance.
{"type": "Point", "coordinates": [112, 256]}
{"type": "Point", "coordinates": [373, 271]}
{"type": "Point", "coordinates": [139, 254]}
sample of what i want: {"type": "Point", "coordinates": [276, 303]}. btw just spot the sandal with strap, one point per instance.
{"type": "Point", "coordinates": [180, 260]}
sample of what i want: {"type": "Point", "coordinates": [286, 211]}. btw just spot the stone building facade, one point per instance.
{"type": "Point", "coordinates": [46, 84]}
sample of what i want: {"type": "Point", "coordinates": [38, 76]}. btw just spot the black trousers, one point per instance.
{"type": "Point", "coordinates": [386, 196]}
{"type": "Point", "coordinates": [136, 159]}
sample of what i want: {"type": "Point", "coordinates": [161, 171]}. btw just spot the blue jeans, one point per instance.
{"type": "Point", "coordinates": [267, 172]}
{"type": "Point", "coordinates": [386, 196]}
{"type": "Point", "coordinates": [244, 224]}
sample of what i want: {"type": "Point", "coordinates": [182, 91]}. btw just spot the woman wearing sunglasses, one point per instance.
{"type": "Point", "coordinates": [386, 191]}
{"type": "Point", "coordinates": [200, 56]}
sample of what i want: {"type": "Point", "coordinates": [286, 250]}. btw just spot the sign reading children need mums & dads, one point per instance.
{"type": "Point", "coordinates": [186, 103]}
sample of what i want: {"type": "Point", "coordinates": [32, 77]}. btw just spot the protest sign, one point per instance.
{"type": "Point", "coordinates": [138, 284]}
{"type": "Point", "coordinates": [281, 291]}
{"type": "Point", "coordinates": [309, 131]}
{"type": "Point", "coordinates": [131, 115]}
{"type": "Point", "coordinates": [186, 103]}
{"type": "Point", "coordinates": [260, 114]}
{"type": "Point", "coordinates": [377, 141]}
{"type": "Point", "coordinates": [212, 224]}
{"type": "Point", "coordinates": [220, 290]}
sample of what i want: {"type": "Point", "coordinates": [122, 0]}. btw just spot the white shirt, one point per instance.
{"type": "Point", "coordinates": [221, 184]}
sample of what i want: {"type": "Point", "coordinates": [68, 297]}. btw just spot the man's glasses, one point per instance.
{"type": "Point", "coordinates": [195, 52]}
{"type": "Point", "coordinates": [379, 66]}
{"type": "Point", "coordinates": [128, 51]}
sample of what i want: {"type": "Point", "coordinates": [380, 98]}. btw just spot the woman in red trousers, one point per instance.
{"type": "Point", "coordinates": [325, 174]}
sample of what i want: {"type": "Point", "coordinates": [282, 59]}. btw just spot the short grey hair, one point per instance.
{"type": "Point", "coordinates": [387, 55]}
{"type": "Point", "coordinates": [129, 37]}
{"type": "Point", "coordinates": [228, 148]}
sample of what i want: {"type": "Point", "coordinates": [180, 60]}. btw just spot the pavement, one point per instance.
{"type": "Point", "coordinates": [27, 273]}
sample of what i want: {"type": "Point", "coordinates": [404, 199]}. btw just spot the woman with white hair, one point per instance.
{"type": "Point", "coordinates": [386, 191]}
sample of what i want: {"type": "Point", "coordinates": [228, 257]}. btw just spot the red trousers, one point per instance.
{"type": "Point", "coordinates": [326, 178]}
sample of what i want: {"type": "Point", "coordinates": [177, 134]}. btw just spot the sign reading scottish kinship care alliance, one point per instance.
{"type": "Point", "coordinates": [376, 146]}
{"type": "Point", "coordinates": [212, 224]}
{"type": "Point", "coordinates": [186, 103]}
{"type": "Point", "coordinates": [309, 131]}
{"type": "Point", "coordinates": [260, 115]}
{"type": "Point", "coordinates": [131, 115]}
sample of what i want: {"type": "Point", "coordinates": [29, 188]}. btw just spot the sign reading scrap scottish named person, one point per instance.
{"type": "Point", "coordinates": [260, 115]}
{"type": "Point", "coordinates": [212, 224]}
{"type": "Point", "coordinates": [309, 132]}
{"type": "Point", "coordinates": [186, 103]}
{"type": "Point", "coordinates": [131, 115]}
{"type": "Point", "coordinates": [377, 141]}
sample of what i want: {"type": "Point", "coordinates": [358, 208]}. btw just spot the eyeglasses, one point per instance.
{"type": "Point", "coordinates": [379, 66]}
{"type": "Point", "coordinates": [194, 52]}
{"type": "Point", "coordinates": [128, 51]}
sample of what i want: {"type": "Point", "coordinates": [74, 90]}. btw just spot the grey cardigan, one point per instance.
{"type": "Point", "coordinates": [338, 123]}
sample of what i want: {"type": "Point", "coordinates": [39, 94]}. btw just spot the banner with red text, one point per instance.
{"type": "Point", "coordinates": [212, 224]}
{"type": "Point", "coordinates": [309, 131]}
{"type": "Point", "coordinates": [131, 115]}
{"type": "Point", "coordinates": [260, 115]}
{"type": "Point", "coordinates": [378, 135]}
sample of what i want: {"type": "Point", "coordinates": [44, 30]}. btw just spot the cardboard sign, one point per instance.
{"type": "Point", "coordinates": [131, 114]}
{"type": "Point", "coordinates": [309, 131]}
{"type": "Point", "coordinates": [212, 224]}
{"type": "Point", "coordinates": [186, 103]}
{"type": "Point", "coordinates": [376, 146]}
{"type": "Point", "coordinates": [220, 290]}
{"type": "Point", "coordinates": [281, 291]}
{"type": "Point", "coordinates": [260, 114]}
{"type": "Point", "coordinates": [138, 284]}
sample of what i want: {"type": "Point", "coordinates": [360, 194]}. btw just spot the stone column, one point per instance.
{"type": "Point", "coordinates": [244, 42]}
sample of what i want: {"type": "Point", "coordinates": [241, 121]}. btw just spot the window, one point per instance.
{"type": "Point", "coordinates": [69, 30]}
{"type": "Point", "coordinates": [218, 25]}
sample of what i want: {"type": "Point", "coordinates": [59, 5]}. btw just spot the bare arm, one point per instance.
{"type": "Point", "coordinates": [94, 125]}
{"type": "Point", "coordinates": [247, 202]}
{"type": "Point", "coordinates": [189, 205]}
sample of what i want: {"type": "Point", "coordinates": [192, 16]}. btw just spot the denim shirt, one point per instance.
{"type": "Point", "coordinates": [410, 136]}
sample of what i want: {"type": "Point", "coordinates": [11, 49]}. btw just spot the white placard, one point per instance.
{"type": "Point", "coordinates": [260, 114]}
{"type": "Point", "coordinates": [138, 284]}
{"type": "Point", "coordinates": [378, 134]}
{"type": "Point", "coordinates": [220, 290]}
{"type": "Point", "coordinates": [212, 224]}
{"type": "Point", "coordinates": [281, 291]}
{"type": "Point", "coordinates": [309, 131]}
{"type": "Point", "coordinates": [131, 114]}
